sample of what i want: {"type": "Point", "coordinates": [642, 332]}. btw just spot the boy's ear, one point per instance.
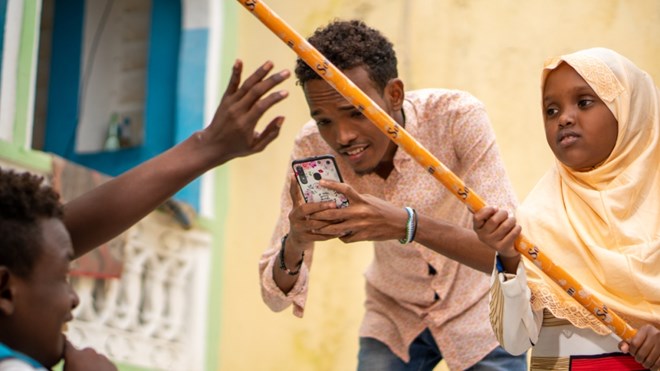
{"type": "Point", "coordinates": [395, 92]}
{"type": "Point", "coordinates": [6, 292]}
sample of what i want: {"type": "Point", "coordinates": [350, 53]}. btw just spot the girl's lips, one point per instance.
{"type": "Point", "coordinates": [567, 138]}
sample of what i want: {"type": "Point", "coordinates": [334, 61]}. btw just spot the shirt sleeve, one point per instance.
{"type": "Point", "coordinates": [515, 325]}
{"type": "Point", "coordinates": [271, 294]}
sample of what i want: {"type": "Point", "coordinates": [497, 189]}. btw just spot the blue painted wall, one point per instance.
{"type": "Point", "coordinates": [162, 118]}
{"type": "Point", "coordinates": [3, 12]}
{"type": "Point", "coordinates": [190, 96]}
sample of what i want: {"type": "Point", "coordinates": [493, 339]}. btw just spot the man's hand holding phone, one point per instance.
{"type": "Point", "coordinates": [307, 221]}
{"type": "Point", "coordinates": [305, 225]}
{"type": "Point", "coordinates": [310, 199]}
{"type": "Point", "coordinates": [314, 217]}
{"type": "Point", "coordinates": [368, 219]}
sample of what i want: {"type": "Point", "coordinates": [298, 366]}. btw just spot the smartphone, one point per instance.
{"type": "Point", "coordinates": [309, 171]}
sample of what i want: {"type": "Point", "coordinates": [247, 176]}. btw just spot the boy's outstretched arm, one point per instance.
{"type": "Point", "coordinates": [104, 212]}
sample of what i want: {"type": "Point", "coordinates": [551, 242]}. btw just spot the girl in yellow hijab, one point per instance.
{"type": "Point", "coordinates": [596, 214]}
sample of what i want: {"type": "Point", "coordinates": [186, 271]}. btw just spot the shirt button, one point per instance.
{"type": "Point", "coordinates": [436, 297]}
{"type": "Point", "coordinates": [432, 271]}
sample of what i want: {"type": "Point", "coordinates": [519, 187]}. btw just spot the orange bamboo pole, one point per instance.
{"type": "Point", "coordinates": [454, 184]}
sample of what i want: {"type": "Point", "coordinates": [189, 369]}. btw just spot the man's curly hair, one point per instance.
{"type": "Point", "coordinates": [349, 44]}
{"type": "Point", "coordinates": [24, 203]}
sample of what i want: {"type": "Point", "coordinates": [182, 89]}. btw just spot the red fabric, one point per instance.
{"type": "Point", "coordinates": [610, 362]}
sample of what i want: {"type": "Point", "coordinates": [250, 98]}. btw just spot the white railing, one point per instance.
{"type": "Point", "coordinates": [154, 316]}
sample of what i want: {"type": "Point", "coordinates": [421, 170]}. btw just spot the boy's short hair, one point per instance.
{"type": "Point", "coordinates": [24, 202]}
{"type": "Point", "coordinates": [349, 44]}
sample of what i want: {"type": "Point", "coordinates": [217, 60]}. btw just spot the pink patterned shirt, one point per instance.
{"type": "Point", "coordinates": [410, 288]}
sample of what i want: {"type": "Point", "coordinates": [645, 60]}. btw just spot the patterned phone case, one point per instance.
{"type": "Point", "coordinates": [308, 173]}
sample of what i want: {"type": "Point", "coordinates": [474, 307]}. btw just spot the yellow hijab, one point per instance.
{"type": "Point", "coordinates": [603, 226]}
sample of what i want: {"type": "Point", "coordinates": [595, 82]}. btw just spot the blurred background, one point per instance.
{"type": "Point", "coordinates": [109, 84]}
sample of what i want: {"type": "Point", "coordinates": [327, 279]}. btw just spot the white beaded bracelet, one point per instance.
{"type": "Point", "coordinates": [411, 226]}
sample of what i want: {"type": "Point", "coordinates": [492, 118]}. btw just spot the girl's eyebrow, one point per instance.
{"type": "Point", "coordinates": [547, 99]}
{"type": "Point", "coordinates": [579, 89]}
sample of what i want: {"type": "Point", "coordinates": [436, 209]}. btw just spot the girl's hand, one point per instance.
{"type": "Point", "coordinates": [645, 347]}
{"type": "Point", "coordinates": [497, 229]}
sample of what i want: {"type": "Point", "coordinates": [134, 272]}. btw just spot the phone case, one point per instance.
{"type": "Point", "coordinates": [308, 173]}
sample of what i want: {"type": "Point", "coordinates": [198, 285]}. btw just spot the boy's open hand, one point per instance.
{"type": "Point", "coordinates": [231, 132]}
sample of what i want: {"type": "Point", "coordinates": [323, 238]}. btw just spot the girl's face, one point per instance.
{"type": "Point", "coordinates": [579, 128]}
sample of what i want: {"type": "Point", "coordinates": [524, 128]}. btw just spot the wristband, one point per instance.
{"type": "Point", "coordinates": [498, 263]}
{"type": "Point", "coordinates": [411, 226]}
{"type": "Point", "coordinates": [283, 264]}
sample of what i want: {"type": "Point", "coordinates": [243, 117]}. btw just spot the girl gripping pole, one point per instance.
{"type": "Point", "coordinates": [597, 214]}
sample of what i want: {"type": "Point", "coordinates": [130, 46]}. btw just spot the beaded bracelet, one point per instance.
{"type": "Point", "coordinates": [411, 226]}
{"type": "Point", "coordinates": [283, 265]}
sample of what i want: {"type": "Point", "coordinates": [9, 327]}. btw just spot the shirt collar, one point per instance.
{"type": "Point", "coordinates": [7, 352]}
{"type": "Point", "coordinates": [410, 119]}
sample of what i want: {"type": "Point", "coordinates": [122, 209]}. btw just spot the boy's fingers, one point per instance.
{"type": "Point", "coordinates": [294, 191]}
{"type": "Point", "coordinates": [252, 99]}
{"type": "Point", "coordinates": [68, 347]}
{"type": "Point", "coordinates": [235, 79]}
{"type": "Point", "coordinates": [260, 107]}
{"type": "Point", "coordinates": [255, 86]}
{"type": "Point", "coordinates": [268, 135]}
{"type": "Point", "coordinates": [256, 77]}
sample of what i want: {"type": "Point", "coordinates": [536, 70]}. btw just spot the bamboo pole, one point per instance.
{"type": "Point", "coordinates": [453, 183]}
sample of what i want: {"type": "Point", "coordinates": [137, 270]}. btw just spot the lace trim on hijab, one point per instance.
{"type": "Point", "coordinates": [544, 297]}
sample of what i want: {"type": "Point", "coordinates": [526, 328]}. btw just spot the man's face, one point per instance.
{"type": "Point", "coordinates": [579, 128]}
{"type": "Point", "coordinates": [44, 301]}
{"type": "Point", "coordinates": [345, 129]}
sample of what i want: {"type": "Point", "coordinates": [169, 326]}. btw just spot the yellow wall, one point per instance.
{"type": "Point", "coordinates": [493, 49]}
